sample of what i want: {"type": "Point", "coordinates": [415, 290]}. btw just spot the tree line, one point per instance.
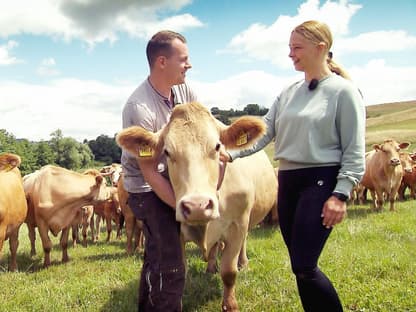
{"type": "Point", "coordinates": [250, 109]}
{"type": "Point", "coordinates": [68, 153]}
{"type": "Point", "coordinates": [63, 151]}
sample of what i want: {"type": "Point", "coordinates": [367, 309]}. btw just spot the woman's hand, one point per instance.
{"type": "Point", "coordinates": [333, 212]}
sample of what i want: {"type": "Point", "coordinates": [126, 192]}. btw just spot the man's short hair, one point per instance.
{"type": "Point", "coordinates": [161, 44]}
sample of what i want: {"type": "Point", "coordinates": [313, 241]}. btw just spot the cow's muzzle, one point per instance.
{"type": "Point", "coordinates": [197, 209]}
{"type": "Point", "coordinates": [395, 162]}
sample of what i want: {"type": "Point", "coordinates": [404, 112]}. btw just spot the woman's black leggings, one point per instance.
{"type": "Point", "coordinates": [302, 194]}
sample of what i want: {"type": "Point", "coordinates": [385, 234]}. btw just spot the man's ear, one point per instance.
{"type": "Point", "coordinates": [161, 61]}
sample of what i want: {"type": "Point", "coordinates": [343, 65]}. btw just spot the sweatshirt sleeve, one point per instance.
{"type": "Point", "coordinates": [350, 122]}
{"type": "Point", "coordinates": [269, 119]}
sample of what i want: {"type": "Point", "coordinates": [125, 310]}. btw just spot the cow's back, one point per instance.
{"type": "Point", "coordinates": [254, 179]}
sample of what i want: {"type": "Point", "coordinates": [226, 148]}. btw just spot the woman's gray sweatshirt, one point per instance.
{"type": "Point", "coordinates": [321, 127]}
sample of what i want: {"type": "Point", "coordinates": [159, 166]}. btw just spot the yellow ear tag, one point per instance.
{"type": "Point", "coordinates": [242, 139]}
{"type": "Point", "coordinates": [145, 151]}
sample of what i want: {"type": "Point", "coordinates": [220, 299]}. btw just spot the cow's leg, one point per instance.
{"type": "Point", "coordinates": [242, 257]}
{"type": "Point", "coordinates": [401, 191]}
{"type": "Point", "coordinates": [92, 228]}
{"type": "Point", "coordinates": [413, 191]}
{"type": "Point", "coordinates": [84, 233]}
{"type": "Point", "coordinates": [13, 244]}
{"type": "Point", "coordinates": [139, 240]}
{"type": "Point", "coordinates": [32, 238]}
{"type": "Point", "coordinates": [212, 266]}
{"type": "Point", "coordinates": [3, 228]}
{"type": "Point", "coordinates": [108, 225]}
{"type": "Point", "coordinates": [229, 266]}
{"type": "Point", "coordinates": [130, 227]}
{"type": "Point", "coordinates": [97, 227]}
{"type": "Point", "coordinates": [120, 222]}
{"type": "Point", "coordinates": [64, 244]}
{"type": "Point", "coordinates": [75, 237]}
{"type": "Point", "coordinates": [46, 242]}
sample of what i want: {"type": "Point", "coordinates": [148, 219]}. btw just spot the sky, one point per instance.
{"type": "Point", "coordinates": [72, 64]}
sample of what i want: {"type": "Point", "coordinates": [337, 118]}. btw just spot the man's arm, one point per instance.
{"type": "Point", "coordinates": [160, 185]}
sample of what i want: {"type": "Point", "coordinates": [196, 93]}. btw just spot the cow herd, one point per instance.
{"type": "Point", "coordinates": [389, 171]}
{"type": "Point", "coordinates": [216, 204]}
{"type": "Point", "coordinates": [56, 200]}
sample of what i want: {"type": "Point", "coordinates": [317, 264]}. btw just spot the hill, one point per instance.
{"type": "Point", "coordinates": [391, 120]}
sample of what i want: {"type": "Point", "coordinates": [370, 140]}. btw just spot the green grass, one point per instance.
{"type": "Point", "coordinates": [370, 258]}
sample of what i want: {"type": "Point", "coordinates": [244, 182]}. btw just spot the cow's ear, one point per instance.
{"type": "Point", "coordinates": [243, 132]}
{"type": "Point", "coordinates": [138, 141]}
{"type": "Point", "coordinates": [8, 161]}
{"type": "Point", "coordinates": [404, 145]}
{"type": "Point", "coordinates": [376, 147]}
{"type": "Point", "coordinates": [99, 179]}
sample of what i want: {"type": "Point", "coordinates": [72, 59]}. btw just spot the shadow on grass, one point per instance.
{"type": "Point", "coordinates": [25, 263]}
{"type": "Point", "coordinates": [200, 288]}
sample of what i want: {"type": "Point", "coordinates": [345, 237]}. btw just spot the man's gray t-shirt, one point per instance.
{"type": "Point", "coordinates": [148, 109]}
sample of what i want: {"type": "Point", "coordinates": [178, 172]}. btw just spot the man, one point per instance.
{"type": "Point", "coordinates": [150, 194]}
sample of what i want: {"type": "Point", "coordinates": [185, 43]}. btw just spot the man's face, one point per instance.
{"type": "Point", "coordinates": [178, 63]}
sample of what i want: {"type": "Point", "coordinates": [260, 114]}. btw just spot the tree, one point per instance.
{"type": "Point", "coordinates": [45, 154]}
{"type": "Point", "coordinates": [252, 109]}
{"type": "Point", "coordinates": [105, 149]}
{"type": "Point", "coordinates": [69, 153]}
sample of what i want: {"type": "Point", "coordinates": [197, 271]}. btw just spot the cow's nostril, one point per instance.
{"type": "Point", "coordinates": [186, 212]}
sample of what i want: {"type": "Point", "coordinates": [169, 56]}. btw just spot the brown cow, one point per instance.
{"type": "Point", "coordinates": [13, 206]}
{"type": "Point", "coordinates": [191, 141]}
{"type": "Point", "coordinates": [83, 219]}
{"type": "Point", "coordinates": [409, 175]}
{"type": "Point", "coordinates": [134, 227]}
{"type": "Point", "coordinates": [55, 196]}
{"type": "Point", "coordinates": [383, 172]}
{"type": "Point", "coordinates": [113, 171]}
{"type": "Point", "coordinates": [109, 211]}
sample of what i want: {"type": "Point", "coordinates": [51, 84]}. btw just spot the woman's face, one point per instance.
{"type": "Point", "coordinates": [304, 53]}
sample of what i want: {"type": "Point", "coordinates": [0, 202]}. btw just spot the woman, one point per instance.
{"type": "Point", "coordinates": [319, 127]}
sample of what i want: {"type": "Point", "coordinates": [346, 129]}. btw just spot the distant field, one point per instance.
{"type": "Point", "coordinates": [391, 120]}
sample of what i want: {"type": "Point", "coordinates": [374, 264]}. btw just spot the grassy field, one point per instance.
{"type": "Point", "coordinates": [370, 258]}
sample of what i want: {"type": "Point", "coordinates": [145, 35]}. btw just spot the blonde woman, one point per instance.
{"type": "Point", "coordinates": [319, 127]}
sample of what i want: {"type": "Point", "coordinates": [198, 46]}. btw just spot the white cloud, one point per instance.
{"type": "Point", "coordinates": [398, 40]}
{"type": "Point", "coordinates": [381, 83]}
{"type": "Point", "coordinates": [5, 57]}
{"type": "Point", "coordinates": [253, 87]}
{"type": "Point", "coordinates": [47, 68]}
{"type": "Point", "coordinates": [92, 21]}
{"type": "Point", "coordinates": [81, 109]}
{"type": "Point", "coordinates": [270, 43]}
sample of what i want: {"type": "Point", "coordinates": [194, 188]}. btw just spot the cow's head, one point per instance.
{"type": "Point", "coordinates": [100, 191]}
{"type": "Point", "coordinates": [8, 161]}
{"type": "Point", "coordinates": [191, 142]}
{"type": "Point", "coordinates": [390, 149]}
{"type": "Point", "coordinates": [406, 161]}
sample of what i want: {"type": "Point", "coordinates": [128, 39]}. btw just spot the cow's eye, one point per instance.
{"type": "Point", "coordinates": [166, 153]}
{"type": "Point", "coordinates": [217, 147]}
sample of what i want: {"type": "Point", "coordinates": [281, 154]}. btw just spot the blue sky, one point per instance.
{"type": "Point", "coordinates": [72, 64]}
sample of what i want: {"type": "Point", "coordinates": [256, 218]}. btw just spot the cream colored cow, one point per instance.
{"type": "Point", "coordinates": [228, 205]}
{"type": "Point", "coordinates": [55, 196]}
{"type": "Point", "coordinates": [13, 206]}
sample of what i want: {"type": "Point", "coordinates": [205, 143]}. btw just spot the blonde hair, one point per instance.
{"type": "Point", "coordinates": [317, 32]}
